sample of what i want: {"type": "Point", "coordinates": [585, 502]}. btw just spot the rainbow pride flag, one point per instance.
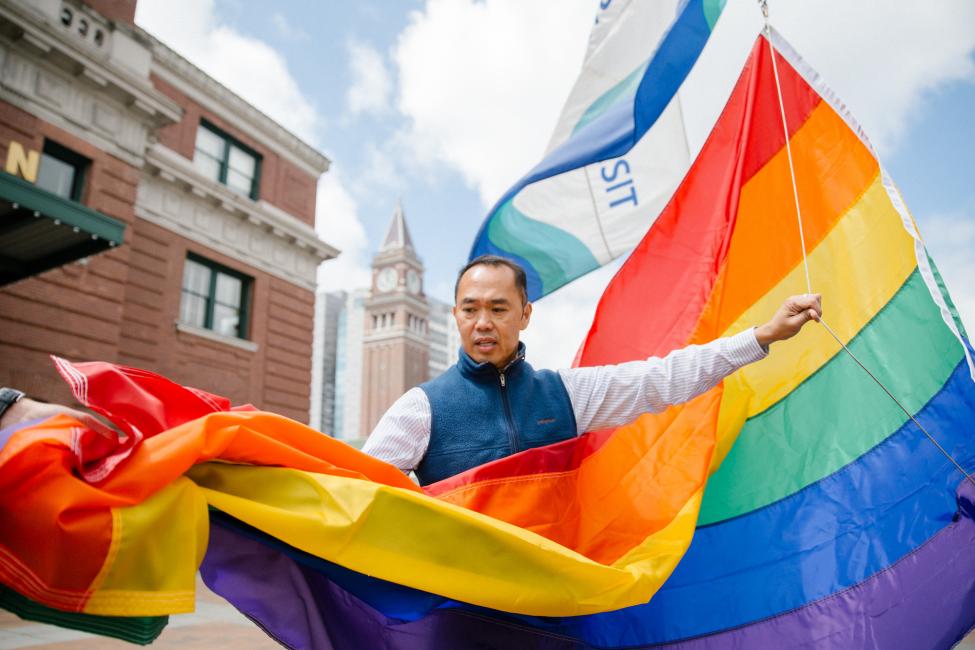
{"type": "Point", "coordinates": [792, 505]}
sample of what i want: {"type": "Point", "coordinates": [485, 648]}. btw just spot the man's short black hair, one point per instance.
{"type": "Point", "coordinates": [521, 280]}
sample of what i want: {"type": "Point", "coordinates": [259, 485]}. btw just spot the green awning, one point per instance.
{"type": "Point", "coordinates": [41, 231]}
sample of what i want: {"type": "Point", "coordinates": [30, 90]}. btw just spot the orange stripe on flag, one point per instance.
{"type": "Point", "coordinates": [765, 243]}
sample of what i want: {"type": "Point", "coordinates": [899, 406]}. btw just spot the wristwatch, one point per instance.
{"type": "Point", "coordinates": [8, 397]}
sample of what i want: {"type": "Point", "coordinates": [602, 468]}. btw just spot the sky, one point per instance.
{"type": "Point", "coordinates": [444, 104]}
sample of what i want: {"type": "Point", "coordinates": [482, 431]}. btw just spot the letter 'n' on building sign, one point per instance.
{"type": "Point", "coordinates": [22, 163]}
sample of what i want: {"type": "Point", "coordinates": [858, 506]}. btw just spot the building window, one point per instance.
{"type": "Point", "coordinates": [214, 297]}
{"type": "Point", "coordinates": [61, 171]}
{"type": "Point", "coordinates": [221, 158]}
{"type": "Point", "coordinates": [415, 323]}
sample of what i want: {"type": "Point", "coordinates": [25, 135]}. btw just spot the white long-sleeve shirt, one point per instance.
{"type": "Point", "coordinates": [601, 396]}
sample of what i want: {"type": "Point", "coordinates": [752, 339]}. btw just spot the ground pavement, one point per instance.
{"type": "Point", "coordinates": [214, 624]}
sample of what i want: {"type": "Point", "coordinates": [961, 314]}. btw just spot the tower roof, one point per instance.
{"type": "Point", "coordinates": [397, 235]}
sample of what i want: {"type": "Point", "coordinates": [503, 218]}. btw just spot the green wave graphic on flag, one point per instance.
{"type": "Point", "coordinates": [712, 11]}
{"type": "Point", "coordinates": [555, 254]}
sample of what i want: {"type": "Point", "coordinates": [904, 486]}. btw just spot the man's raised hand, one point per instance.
{"type": "Point", "coordinates": [795, 312]}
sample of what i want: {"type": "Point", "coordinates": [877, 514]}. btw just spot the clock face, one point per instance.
{"type": "Point", "coordinates": [413, 281]}
{"type": "Point", "coordinates": [386, 280]}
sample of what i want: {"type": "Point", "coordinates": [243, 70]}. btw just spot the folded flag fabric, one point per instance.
{"type": "Point", "coordinates": [618, 151]}
{"type": "Point", "coordinates": [129, 545]}
{"type": "Point", "coordinates": [828, 520]}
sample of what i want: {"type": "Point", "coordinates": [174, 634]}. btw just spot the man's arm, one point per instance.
{"type": "Point", "coordinates": [611, 396]}
{"type": "Point", "coordinates": [403, 433]}
{"type": "Point", "coordinates": [27, 409]}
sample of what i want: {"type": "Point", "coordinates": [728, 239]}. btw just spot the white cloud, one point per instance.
{"type": "Point", "coordinates": [372, 84]}
{"type": "Point", "coordinates": [483, 82]}
{"type": "Point", "coordinates": [286, 29]}
{"type": "Point", "coordinates": [380, 171]}
{"type": "Point", "coordinates": [248, 66]}
{"type": "Point", "coordinates": [338, 223]}
{"type": "Point", "coordinates": [950, 239]}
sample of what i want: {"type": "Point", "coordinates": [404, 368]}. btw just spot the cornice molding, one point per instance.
{"type": "Point", "coordinates": [172, 195]}
{"type": "Point", "coordinates": [206, 90]}
{"type": "Point", "coordinates": [395, 334]}
{"type": "Point", "coordinates": [177, 170]}
{"type": "Point", "coordinates": [397, 256]}
{"type": "Point", "coordinates": [99, 70]}
{"type": "Point", "coordinates": [69, 103]}
{"type": "Point", "coordinates": [418, 302]}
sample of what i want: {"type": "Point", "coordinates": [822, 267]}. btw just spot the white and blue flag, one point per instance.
{"type": "Point", "coordinates": [619, 149]}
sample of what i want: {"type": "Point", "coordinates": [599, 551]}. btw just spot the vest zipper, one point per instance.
{"type": "Point", "coordinates": [513, 438]}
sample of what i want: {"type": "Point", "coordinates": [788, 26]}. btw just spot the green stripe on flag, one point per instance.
{"type": "Point", "coordinates": [142, 630]}
{"type": "Point", "coordinates": [838, 413]}
{"type": "Point", "coordinates": [947, 298]}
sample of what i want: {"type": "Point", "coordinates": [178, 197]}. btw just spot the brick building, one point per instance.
{"type": "Point", "coordinates": [148, 216]}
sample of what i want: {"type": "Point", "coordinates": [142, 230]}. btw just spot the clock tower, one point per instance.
{"type": "Point", "coordinates": [395, 352]}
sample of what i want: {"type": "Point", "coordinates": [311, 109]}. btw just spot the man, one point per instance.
{"type": "Point", "coordinates": [492, 403]}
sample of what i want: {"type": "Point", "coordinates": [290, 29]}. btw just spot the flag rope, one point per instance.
{"type": "Point", "coordinates": [763, 4]}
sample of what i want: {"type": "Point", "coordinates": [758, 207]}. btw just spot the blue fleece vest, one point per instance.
{"type": "Point", "coordinates": [480, 414]}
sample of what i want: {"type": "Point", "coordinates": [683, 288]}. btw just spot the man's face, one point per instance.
{"type": "Point", "coordinates": [490, 314]}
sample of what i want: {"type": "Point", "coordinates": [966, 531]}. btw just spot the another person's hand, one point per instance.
{"type": "Point", "coordinates": [795, 312]}
{"type": "Point", "coordinates": [26, 409]}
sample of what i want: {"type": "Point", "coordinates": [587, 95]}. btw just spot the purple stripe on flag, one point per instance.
{"type": "Point", "coordinates": [925, 600]}
{"type": "Point", "coordinates": [267, 587]}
